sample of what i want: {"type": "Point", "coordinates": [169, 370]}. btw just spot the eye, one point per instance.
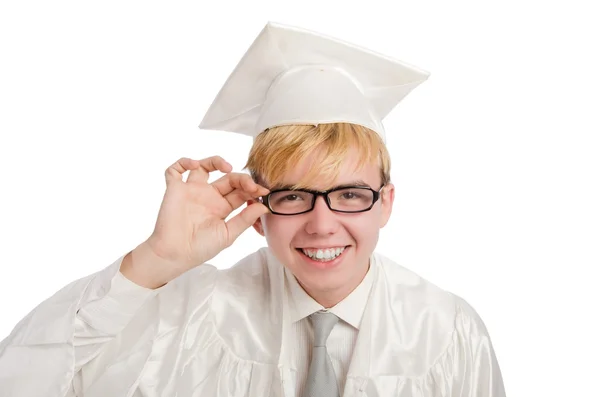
{"type": "Point", "coordinates": [352, 195]}
{"type": "Point", "coordinates": [290, 197]}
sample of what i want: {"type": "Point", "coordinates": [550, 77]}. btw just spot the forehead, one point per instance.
{"type": "Point", "coordinates": [318, 173]}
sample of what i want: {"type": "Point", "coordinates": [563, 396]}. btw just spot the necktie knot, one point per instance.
{"type": "Point", "coordinates": [323, 323]}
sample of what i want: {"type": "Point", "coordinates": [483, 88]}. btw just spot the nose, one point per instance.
{"type": "Point", "coordinates": [321, 220]}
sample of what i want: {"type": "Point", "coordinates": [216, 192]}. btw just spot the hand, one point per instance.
{"type": "Point", "coordinates": [191, 227]}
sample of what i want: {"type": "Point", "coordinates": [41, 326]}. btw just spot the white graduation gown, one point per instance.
{"type": "Point", "coordinates": [227, 332]}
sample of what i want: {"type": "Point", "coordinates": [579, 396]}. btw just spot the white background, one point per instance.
{"type": "Point", "coordinates": [495, 158]}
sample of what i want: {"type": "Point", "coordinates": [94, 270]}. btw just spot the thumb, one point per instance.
{"type": "Point", "coordinates": [242, 221]}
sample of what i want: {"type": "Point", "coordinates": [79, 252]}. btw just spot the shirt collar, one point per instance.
{"type": "Point", "coordinates": [350, 309]}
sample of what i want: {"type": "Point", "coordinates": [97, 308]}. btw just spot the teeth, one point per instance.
{"type": "Point", "coordinates": [324, 254]}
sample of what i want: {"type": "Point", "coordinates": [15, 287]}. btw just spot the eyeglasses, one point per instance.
{"type": "Point", "coordinates": [347, 199]}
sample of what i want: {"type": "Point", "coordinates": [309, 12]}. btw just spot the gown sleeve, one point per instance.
{"type": "Point", "coordinates": [100, 321]}
{"type": "Point", "coordinates": [61, 335]}
{"type": "Point", "coordinates": [475, 366]}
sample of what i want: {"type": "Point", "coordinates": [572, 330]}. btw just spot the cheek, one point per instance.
{"type": "Point", "coordinates": [278, 231]}
{"type": "Point", "coordinates": [365, 230]}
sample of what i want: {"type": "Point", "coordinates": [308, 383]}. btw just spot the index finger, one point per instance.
{"type": "Point", "coordinates": [239, 181]}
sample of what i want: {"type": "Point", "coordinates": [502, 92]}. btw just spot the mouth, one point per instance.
{"type": "Point", "coordinates": [323, 258]}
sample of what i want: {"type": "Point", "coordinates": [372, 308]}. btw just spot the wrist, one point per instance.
{"type": "Point", "coordinates": [147, 269]}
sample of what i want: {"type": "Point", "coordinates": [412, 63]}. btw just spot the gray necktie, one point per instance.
{"type": "Point", "coordinates": [321, 381]}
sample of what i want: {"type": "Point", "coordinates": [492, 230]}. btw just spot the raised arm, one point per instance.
{"type": "Point", "coordinates": [53, 351]}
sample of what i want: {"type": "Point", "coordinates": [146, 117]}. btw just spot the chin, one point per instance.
{"type": "Point", "coordinates": [315, 282]}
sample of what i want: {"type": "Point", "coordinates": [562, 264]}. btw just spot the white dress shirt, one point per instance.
{"type": "Point", "coordinates": [341, 341]}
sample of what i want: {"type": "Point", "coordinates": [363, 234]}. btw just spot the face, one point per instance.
{"type": "Point", "coordinates": [357, 233]}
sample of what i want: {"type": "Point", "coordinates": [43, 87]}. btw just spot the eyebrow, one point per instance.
{"type": "Point", "coordinates": [355, 183]}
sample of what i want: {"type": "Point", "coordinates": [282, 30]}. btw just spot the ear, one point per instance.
{"type": "Point", "coordinates": [258, 225]}
{"type": "Point", "coordinates": [387, 202]}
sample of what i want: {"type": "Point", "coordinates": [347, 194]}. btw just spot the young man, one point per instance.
{"type": "Point", "coordinates": [318, 312]}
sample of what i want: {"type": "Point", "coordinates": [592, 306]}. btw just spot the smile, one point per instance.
{"type": "Point", "coordinates": [323, 254]}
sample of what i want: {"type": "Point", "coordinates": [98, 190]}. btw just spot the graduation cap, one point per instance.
{"type": "Point", "coordinates": [291, 75]}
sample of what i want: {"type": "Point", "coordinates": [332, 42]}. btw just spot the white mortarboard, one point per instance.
{"type": "Point", "coordinates": [295, 76]}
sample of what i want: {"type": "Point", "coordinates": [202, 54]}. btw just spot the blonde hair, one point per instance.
{"type": "Point", "coordinates": [278, 150]}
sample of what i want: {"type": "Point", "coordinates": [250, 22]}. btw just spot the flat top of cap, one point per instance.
{"type": "Point", "coordinates": [265, 90]}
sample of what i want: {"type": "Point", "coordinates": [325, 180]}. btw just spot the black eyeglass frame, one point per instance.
{"type": "Point", "coordinates": [324, 193]}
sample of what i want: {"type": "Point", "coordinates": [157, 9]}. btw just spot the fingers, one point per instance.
{"type": "Point", "coordinates": [199, 169]}
{"type": "Point", "coordinates": [237, 181]}
{"type": "Point", "coordinates": [237, 198]}
{"type": "Point", "coordinates": [242, 221]}
{"type": "Point", "coordinates": [177, 169]}
{"type": "Point", "coordinates": [208, 165]}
